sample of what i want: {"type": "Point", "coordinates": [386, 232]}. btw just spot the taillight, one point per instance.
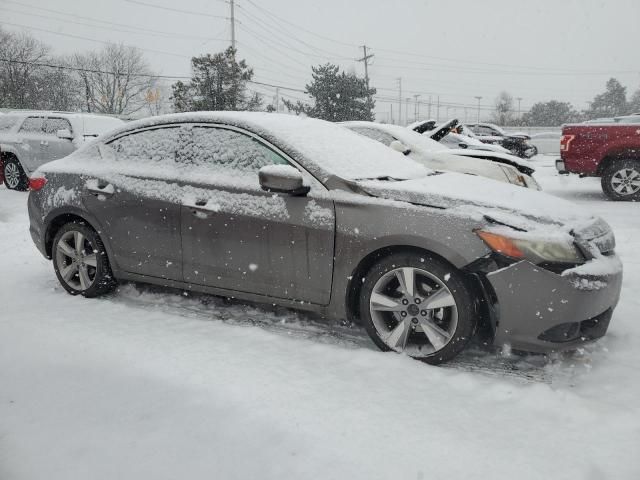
{"type": "Point", "coordinates": [36, 183]}
{"type": "Point", "coordinates": [565, 142]}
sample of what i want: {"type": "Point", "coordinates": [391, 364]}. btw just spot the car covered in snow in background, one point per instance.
{"type": "Point", "coordinates": [517, 143]}
{"type": "Point", "coordinates": [306, 214]}
{"type": "Point", "coordinates": [453, 134]}
{"type": "Point", "coordinates": [29, 139]}
{"type": "Point", "coordinates": [496, 166]}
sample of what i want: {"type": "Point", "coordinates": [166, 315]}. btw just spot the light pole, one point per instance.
{"type": "Point", "coordinates": [478, 98]}
{"type": "Point", "coordinates": [519, 100]}
{"type": "Point", "coordinates": [416, 112]}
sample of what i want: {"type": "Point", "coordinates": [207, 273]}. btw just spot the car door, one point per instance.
{"type": "Point", "coordinates": [238, 237]}
{"type": "Point", "coordinates": [58, 147]}
{"type": "Point", "coordinates": [133, 198]}
{"type": "Point", "coordinates": [33, 146]}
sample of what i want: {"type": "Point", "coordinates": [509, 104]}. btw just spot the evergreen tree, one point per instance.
{"type": "Point", "coordinates": [218, 82]}
{"type": "Point", "coordinates": [550, 114]}
{"type": "Point", "coordinates": [338, 96]}
{"type": "Point", "coordinates": [610, 103]}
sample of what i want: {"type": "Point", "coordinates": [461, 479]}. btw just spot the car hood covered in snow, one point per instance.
{"type": "Point", "coordinates": [518, 207]}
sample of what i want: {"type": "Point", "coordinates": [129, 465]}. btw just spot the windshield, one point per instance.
{"type": "Point", "coordinates": [7, 122]}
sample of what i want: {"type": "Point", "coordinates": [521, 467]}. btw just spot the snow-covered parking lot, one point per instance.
{"type": "Point", "coordinates": [154, 384]}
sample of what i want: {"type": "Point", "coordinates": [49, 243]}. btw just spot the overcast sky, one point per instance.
{"type": "Point", "coordinates": [537, 50]}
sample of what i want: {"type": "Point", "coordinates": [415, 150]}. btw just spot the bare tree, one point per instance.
{"type": "Point", "coordinates": [503, 114]}
{"type": "Point", "coordinates": [114, 80]}
{"type": "Point", "coordinates": [20, 73]}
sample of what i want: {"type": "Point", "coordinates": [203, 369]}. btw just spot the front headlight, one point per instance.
{"type": "Point", "coordinates": [535, 250]}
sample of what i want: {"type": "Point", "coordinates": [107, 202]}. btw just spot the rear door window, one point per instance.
{"type": "Point", "coordinates": [32, 125]}
{"type": "Point", "coordinates": [155, 147]}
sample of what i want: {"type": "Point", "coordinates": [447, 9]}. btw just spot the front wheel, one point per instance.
{"type": "Point", "coordinates": [80, 261]}
{"type": "Point", "coordinates": [621, 180]}
{"type": "Point", "coordinates": [418, 305]}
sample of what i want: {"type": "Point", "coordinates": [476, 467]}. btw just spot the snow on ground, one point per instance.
{"type": "Point", "coordinates": [150, 383]}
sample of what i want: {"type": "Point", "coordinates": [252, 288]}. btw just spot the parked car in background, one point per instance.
{"type": "Point", "coordinates": [610, 151]}
{"type": "Point", "coordinates": [307, 214]}
{"type": "Point", "coordinates": [496, 166]}
{"type": "Point", "coordinates": [546, 143]}
{"type": "Point", "coordinates": [453, 134]}
{"type": "Point", "coordinates": [516, 143]}
{"type": "Point", "coordinates": [29, 139]}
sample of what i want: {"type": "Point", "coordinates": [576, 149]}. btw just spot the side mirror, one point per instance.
{"type": "Point", "coordinates": [398, 146]}
{"type": "Point", "coordinates": [64, 133]}
{"type": "Point", "coordinates": [282, 179]}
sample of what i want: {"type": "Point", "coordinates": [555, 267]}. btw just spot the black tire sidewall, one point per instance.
{"type": "Point", "coordinates": [608, 173]}
{"type": "Point", "coordinates": [103, 281]}
{"type": "Point", "coordinates": [449, 276]}
{"type": "Point", "coordinates": [23, 183]}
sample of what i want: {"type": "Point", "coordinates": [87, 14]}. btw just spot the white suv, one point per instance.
{"type": "Point", "coordinates": [30, 138]}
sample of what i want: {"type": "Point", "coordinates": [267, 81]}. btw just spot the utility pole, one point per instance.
{"type": "Point", "coordinates": [365, 59]}
{"type": "Point", "coordinates": [519, 100]}
{"type": "Point", "coordinates": [406, 112]}
{"type": "Point", "coordinates": [233, 24]}
{"type": "Point", "coordinates": [429, 113]}
{"type": "Point", "coordinates": [416, 111]}
{"type": "Point", "coordinates": [392, 119]}
{"type": "Point", "coordinates": [277, 99]}
{"type": "Point", "coordinates": [399, 100]}
{"type": "Point", "coordinates": [478, 98]}
{"type": "Point", "coordinates": [438, 110]}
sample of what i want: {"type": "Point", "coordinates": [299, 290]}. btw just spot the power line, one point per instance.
{"type": "Point", "coordinates": [134, 29]}
{"type": "Point", "coordinates": [178, 10]}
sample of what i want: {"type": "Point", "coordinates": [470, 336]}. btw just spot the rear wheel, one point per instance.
{"type": "Point", "coordinates": [14, 176]}
{"type": "Point", "coordinates": [80, 261]}
{"type": "Point", "coordinates": [417, 305]}
{"type": "Point", "coordinates": [621, 180]}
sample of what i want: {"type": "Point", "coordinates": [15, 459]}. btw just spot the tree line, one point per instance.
{"type": "Point", "coordinates": [117, 80]}
{"type": "Point", "coordinates": [612, 102]}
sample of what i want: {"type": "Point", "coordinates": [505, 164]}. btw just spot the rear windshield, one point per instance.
{"type": "Point", "coordinates": [7, 122]}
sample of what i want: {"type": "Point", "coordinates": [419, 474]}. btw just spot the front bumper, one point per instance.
{"type": "Point", "coordinates": [542, 311]}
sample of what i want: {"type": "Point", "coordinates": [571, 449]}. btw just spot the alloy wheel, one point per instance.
{"type": "Point", "coordinates": [11, 175]}
{"type": "Point", "coordinates": [413, 311]}
{"type": "Point", "coordinates": [76, 260]}
{"type": "Point", "coordinates": [626, 181]}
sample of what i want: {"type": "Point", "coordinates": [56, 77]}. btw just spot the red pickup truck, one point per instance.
{"type": "Point", "coordinates": [610, 151]}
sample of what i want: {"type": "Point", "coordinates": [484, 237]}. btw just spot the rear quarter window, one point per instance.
{"type": "Point", "coordinates": [52, 125]}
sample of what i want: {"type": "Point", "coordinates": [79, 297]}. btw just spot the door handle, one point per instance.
{"type": "Point", "coordinates": [44, 143]}
{"type": "Point", "coordinates": [104, 190]}
{"type": "Point", "coordinates": [198, 210]}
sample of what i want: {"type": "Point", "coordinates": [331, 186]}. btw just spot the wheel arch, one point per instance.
{"type": "Point", "coordinates": [356, 278]}
{"type": "Point", "coordinates": [628, 153]}
{"type": "Point", "coordinates": [55, 220]}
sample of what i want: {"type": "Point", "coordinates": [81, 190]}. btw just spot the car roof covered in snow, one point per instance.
{"type": "Point", "coordinates": [332, 149]}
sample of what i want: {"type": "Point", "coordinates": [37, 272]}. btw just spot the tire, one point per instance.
{"type": "Point", "coordinates": [70, 261]}
{"type": "Point", "coordinates": [621, 180]}
{"type": "Point", "coordinates": [396, 319]}
{"type": "Point", "coordinates": [14, 176]}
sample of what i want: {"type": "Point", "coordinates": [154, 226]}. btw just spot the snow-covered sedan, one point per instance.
{"type": "Point", "coordinates": [307, 214]}
{"type": "Point", "coordinates": [496, 166]}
